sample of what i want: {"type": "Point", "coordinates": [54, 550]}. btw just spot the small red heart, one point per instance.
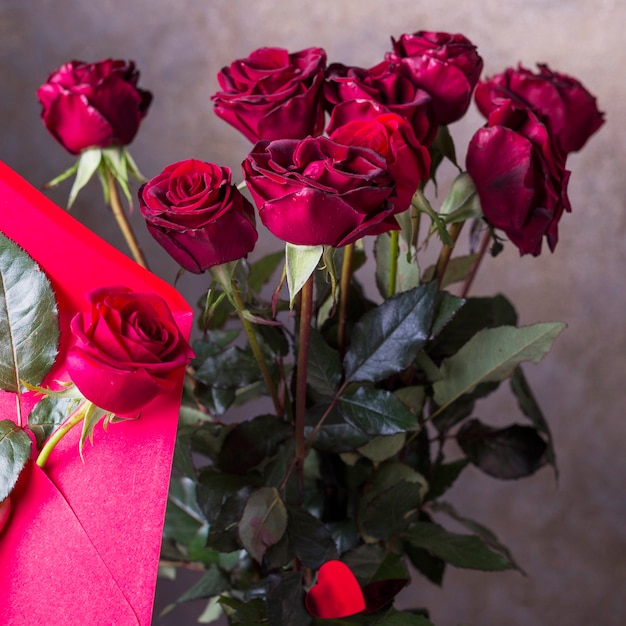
{"type": "Point", "coordinates": [336, 594]}
{"type": "Point", "coordinates": [5, 511]}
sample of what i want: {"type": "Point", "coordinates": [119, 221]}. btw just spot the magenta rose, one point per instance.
{"type": "Point", "coordinates": [445, 66]}
{"type": "Point", "coordinates": [93, 105]}
{"type": "Point", "coordinates": [571, 109]}
{"type": "Point", "coordinates": [127, 349]}
{"type": "Point", "coordinates": [519, 172]}
{"type": "Point", "coordinates": [317, 191]}
{"type": "Point", "coordinates": [365, 123]}
{"type": "Point", "coordinates": [273, 94]}
{"type": "Point", "coordinates": [386, 85]}
{"type": "Point", "coordinates": [199, 217]}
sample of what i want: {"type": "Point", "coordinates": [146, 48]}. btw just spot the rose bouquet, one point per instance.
{"type": "Point", "coordinates": [318, 502]}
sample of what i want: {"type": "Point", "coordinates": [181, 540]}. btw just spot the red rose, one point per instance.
{"type": "Point", "coordinates": [273, 94]}
{"type": "Point", "coordinates": [127, 350]}
{"type": "Point", "coordinates": [445, 66]}
{"type": "Point", "coordinates": [386, 85]}
{"type": "Point", "coordinates": [519, 172]}
{"type": "Point", "coordinates": [317, 191]}
{"type": "Point", "coordinates": [197, 215]}
{"type": "Point", "coordinates": [571, 109]}
{"type": "Point", "coordinates": [365, 123]}
{"type": "Point", "coordinates": [87, 105]}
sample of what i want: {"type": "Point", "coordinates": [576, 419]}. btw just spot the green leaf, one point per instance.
{"type": "Point", "coordinates": [285, 600]}
{"type": "Point", "coordinates": [462, 201]}
{"type": "Point", "coordinates": [336, 435]}
{"type": "Point", "coordinates": [382, 448]}
{"type": "Point", "coordinates": [505, 453]}
{"type": "Point", "coordinates": [387, 338]}
{"type": "Point", "coordinates": [443, 477]}
{"type": "Point", "coordinates": [245, 613]}
{"type": "Point", "coordinates": [310, 538]}
{"type": "Point", "coordinates": [213, 488]}
{"type": "Point", "coordinates": [301, 262]}
{"type": "Point", "coordinates": [324, 366]}
{"type": "Point", "coordinates": [530, 408]}
{"type": "Point", "coordinates": [47, 414]}
{"type": "Point", "coordinates": [63, 176]}
{"type": "Point", "coordinates": [212, 583]}
{"type": "Point", "coordinates": [376, 412]}
{"type": "Point", "coordinates": [262, 270]}
{"type": "Point", "coordinates": [223, 533]}
{"type": "Point", "coordinates": [263, 522]}
{"type": "Point", "coordinates": [466, 551]}
{"type": "Point", "coordinates": [408, 273]}
{"type": "Point", "coordinates": [15, 446]}
{"type": "Point", "coordinates": [183, 520]}
{"type": "Point", "coordinates": [492, 355]}
{"type": "Point", "coordinates": [229, 369]}
{"type": "Point", "coordinates": [29, 325]}
{"type": "Point", "coordinates": [423, 205]}
{"type": "Point", "coordinates": [404, 618]}
{"type": "Point", "coordinates": [88, 163]}
{"type": "Point", "coordinates": [457, 270]}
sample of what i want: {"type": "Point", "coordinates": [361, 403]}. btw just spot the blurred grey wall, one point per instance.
{"type": "Point", "coordinates": [570, 537]}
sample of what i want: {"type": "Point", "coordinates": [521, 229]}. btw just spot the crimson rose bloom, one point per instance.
{"type": "Point", "coordinates": [87, 105]}
{"type": "Point", "coordinates": [384, 84]}
{"type": "Point", "coordinates": [519, 172]}
{"type": "Point", "coordinates": [365, 123]}
{"type": "Point", "coordinates": [197, 215]}
{"type": "Point", "coordinates": [128, 349]}
{"type": "Point", "coordinates": [445, 66]}
{"type": "Point", "coordinates": [571, 109]}
{"type": "Point", "coordinates": [317, 191]}
{"type": "Point", "coordinates": [273, 94]}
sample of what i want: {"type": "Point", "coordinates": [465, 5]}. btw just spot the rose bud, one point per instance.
{"type": "Point", "coordinates": [519, 172]}
{"type": "Point", "coordinates": [384, 84]}
{"type": "Point", "coordinates": [319, 192]}
{"type": "Point", "coordinates": [571, 109]}
{"type": "Point", "coordinates": [93, 105]}
{"type": "Point", "coordinates": [445, 66]}
{"type": "Point", "coordinates": [197, 215]}
{"type": "Point", "coordinates": [365, 123]}
{"type": "Point", "coordinates": [273, 94]}
{"type": "Point", "coordinates": [127, 349]}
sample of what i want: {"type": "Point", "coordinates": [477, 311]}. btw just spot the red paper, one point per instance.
{"type": "Point", "coordinates": [82, 542]}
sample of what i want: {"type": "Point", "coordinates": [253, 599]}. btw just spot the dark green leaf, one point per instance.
{"type": "Point", "coordinates": [263, 522]}
{"type": "Point", "coordinates": [182, 452]}
{"type": "Point", "coordinates": [530, 408]}
{"type": "Point", "coordinates": [213, 488]}
{"type": "Point", "coordinates": [183, 519]}
{"type": "Point", "coordinates": [246, 613]}
{"type": "Point", "coordinates": [250, 443]}
{"type": "Point", "coordinates": [505, 453]}
{"type": "Point", "coordinates": [229, 369]}
{"type": "Point", "coordinates": [427, 564]}
{"type": "Point", "coordinates": [404, 618]}
{"type": "Point", "coordinates": [443, 477]}
{"type": "Point", "coordinates": [285, 600]}
{"type": "Point", "coordinates": [212, 583]}
{"type": "Point", "coordinates": [457, 270]}
{"type": "Point", "coordinates": [29, 324]}
{"type": "Point", "coordinates": [335, 435]}
{"type": "Point", "coordinates": [324, 366]}
{"type": "Point", "coordinates": [47, 414]}
{"type": "Point", "coordinates": [467, 551]}
{"type": "Point", "coordinates": [15, 446]}
{"type": "Point", "coordinates": [263, 269]}
{"type": "Point", "coordinates": [310, 538]}
{"type": "Point", "coordinates": [208, 438]}
{"type": "Point", "coordinates": [376, 412]}
{"type": "Point", "coordinates": [446, 309]}
{"type": "Point", "coordinates": [223, 533]}
{"type": "Point", "coordinates": [387, 338]}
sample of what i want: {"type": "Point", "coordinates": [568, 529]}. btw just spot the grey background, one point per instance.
{"type": "Point", "coordinates": [570, 537]}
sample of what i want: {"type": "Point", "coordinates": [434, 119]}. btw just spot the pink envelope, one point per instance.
{"type": "Point", "coordinates": [82, 543]}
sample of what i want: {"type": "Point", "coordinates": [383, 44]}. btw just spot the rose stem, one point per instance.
{"type": "Point", "coordinates": [344, 286]}
{"type": "Point", "coordinates": [122, 221]}
{"type": "Point", "coordinates": [446, 252]}
{"type": "Point", "coordinates": [306, 314]}
{"type": "Point", "coordinates": [76, 417]}
{"type": "Point", "coordinates": [484, 244]}
{"type": "Point", "coordinates": [240, 307]}
{"type": "Point", "coordinates": [393, 262]}
{"type": "Point", "coordinates": [415, 225]}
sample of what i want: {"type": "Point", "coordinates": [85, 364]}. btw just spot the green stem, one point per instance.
{"type": "Point", "coordinates": [344, 286]}
{"type": "Point", "coordinates": [415, 226]}
{"type": "Point", "coordinates": [240, 307]}
{"type": "Point", "coordinates": [306, 314]}
{"type": "Point", "coordinates": [446, 252]}
{"type": "Point", "coordinates": [484, 244]}
{"type": "Point", "coordinates": [76, 417]}
{"type": "Point", "coordinates": [393, 262]}
{"type": "Point", "coordinates": [122, 221]}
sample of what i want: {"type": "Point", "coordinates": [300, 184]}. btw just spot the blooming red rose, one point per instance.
{"type": "Point", "coordinates": [445, 66]}
{"type": "Point", "coordinates": [87, 105]}
{"type": "Point", "coordinates": [197, 215]}
{"type": "Point", "coordinates": [519, 172]}
{"type": "Point", "coordinates": [384, 84]}
{"type": "Point", "coordinates": [127, 349]}
{"type": "Point", "coordinates": [365, 123]}
{"type": "Point", "coordinates": [317, 191]}
{"type": "Point", "coordinates": [273, 94]}
{"type": "Point", "coordinates": [571, 109]}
